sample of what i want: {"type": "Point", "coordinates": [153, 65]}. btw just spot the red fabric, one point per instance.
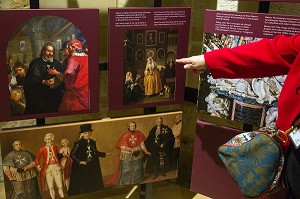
{"type": "Point", "coordinates": [44, 153]}
{"type": "Point", "coordinates": [131, 139]}
{"type": "Point", "coordinates": [127, 140]}
{"type": "Point", "coordinates": [279, 56]}
{"type": "Point", "coordinates": [76, 83]}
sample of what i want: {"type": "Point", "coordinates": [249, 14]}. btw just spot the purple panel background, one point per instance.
{"type": "Point", "coordinates": [256, 26]}
{"type": "Point", "coordinates": [87, 20]}
{"type": "Point", "coordinates": [116, 53]}
{"type": "Point", "coordinates": [209, 175]}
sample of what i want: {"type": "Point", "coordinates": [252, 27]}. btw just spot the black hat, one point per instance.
{"type": "Point", "coordinates": [85, 128]}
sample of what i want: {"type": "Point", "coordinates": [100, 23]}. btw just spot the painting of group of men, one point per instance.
{"type": "Point", "coordinates": [47, 85]}
{"type": "Point", "coordinates": [65, 171]}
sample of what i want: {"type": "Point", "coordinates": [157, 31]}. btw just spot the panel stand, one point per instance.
{"type": "Point", "coordinates": [146, 191]}
{"type": "Point", "coordinates": [264, 6]}
{"type": "Point", "coordinates": [40, 122]}
{"type": "Point", "coordinates": [34, 4]}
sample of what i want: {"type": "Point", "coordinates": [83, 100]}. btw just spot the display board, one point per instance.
{"type": "Point", "coordinates": [143, 46]}
{"type": "Point", "coordinates": [250, 101]}
{"type": "Point", "coordinates": [131, 150]}
{"type": "Point", "coordinates": [36, 41]}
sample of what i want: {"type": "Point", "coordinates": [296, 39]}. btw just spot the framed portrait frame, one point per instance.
{"type": "Point", "coordinates": [140, 39]}
{"type": "Point", "coordinates": [90, 32]}
{"type": "Point", "coordinates": [161, 37]}
{"type": "Point", "coordinates": [140, 55]}
{"type": "Point", "coordinates": [151, 38]}
{"type": "Point", "coordinates": [161, 54]}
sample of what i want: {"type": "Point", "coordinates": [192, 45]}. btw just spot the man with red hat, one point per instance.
{"type": "Point", "coordinates": [75, 78]}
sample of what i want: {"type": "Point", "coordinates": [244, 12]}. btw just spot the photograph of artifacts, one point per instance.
{"type": "Point", "coordinates": [251, 101]}
{"type": "Point", "coordinates": [72, 159]}
{"type": "Point", "coordinates": [149, 65]}
{"type": "Point", "coordinates": [47, 60]}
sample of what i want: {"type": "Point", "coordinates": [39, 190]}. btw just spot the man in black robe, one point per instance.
{"type": "Point", "coordinates": [160, 143]}
{"type": "Point", "coordinates": [41, 96]}
{"type": "Point", "coordinates": [86, 173]}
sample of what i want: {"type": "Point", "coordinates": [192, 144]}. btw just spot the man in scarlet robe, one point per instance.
{"type": "Point", "coordinates": [75, 79]}
{"type": "Point", "coordinates": [131, 145]}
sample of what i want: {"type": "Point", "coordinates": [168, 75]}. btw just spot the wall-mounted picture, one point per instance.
{"type": "Point", "coordinates": [150, 78]}
{"type": "Point", "coordinates": [161, 54]}
{"type": "Point", "coordinates": [54, 73]}
{"type": "Point", "coordinates": [151, 37]}
{"type": "Point", "coordinates": [251, 101]}
{"type": "Point", "coordinates": [140, 38]}
{"type": "Point", "coordinates": [161, 37]}
{"type": "Point", "coordinates": [74, 159]}
{"type": "Point", "coordinates": [140, 55]}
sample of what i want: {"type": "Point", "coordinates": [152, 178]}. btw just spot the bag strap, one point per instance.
{"type": "Point", "coordinates": [286, 133]}
{"type": "Point", "coordinates": [295, 125]}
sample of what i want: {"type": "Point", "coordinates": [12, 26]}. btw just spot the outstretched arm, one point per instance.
{"type": "Point", "coordinates": [267, 57]}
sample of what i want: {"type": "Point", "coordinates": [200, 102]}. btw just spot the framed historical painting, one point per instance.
{"type": "Point", "coordinates": [250, 101]}
{"type": "Point", "coordinates": [151, 37]}
{"type": "Point", "coordinates": [161, 54]}
{"type": "Point", "coordinates": [84, 158]}
{"type": "Point", "coordinates": [151, 78]}
{"type": "Point", "coordinates": [140, 55]}
{"type": "Point", "coordinates": [140, 38]}
{"type": "Point", "coordinates": [38, 73]}
{"type": "Point", "coordinates": [161, 37]}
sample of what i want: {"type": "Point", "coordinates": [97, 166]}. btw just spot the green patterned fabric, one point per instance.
{"type": "Point", "coordinates": [254, 160]}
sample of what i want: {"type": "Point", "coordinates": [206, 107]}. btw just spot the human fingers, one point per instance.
{"type": "Point", "coordinates": [188, 66]}
{"type": "Point", "coordinates": [184, 60]}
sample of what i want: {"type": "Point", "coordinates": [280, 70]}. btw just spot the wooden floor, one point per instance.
{"type": "Point", "coordinates": [160, 190]}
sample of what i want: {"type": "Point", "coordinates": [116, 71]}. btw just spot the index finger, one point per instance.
{"type": "Point", "coordinates": [183, 61]}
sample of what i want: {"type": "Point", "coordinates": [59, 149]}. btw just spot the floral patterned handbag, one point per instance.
{"type": "Point", "coordinates": [255, 161]}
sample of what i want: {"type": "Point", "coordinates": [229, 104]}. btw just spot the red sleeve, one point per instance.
{"type": "Point", "coordinates": [38, 156]}
{"type": "Point", "coordinates": [267, 57]}
{"type": "Point", "coordinates": [70, 73]}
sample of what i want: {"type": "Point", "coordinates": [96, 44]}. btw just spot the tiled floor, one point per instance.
{"type": "Point", "coordinates": [160, 190]}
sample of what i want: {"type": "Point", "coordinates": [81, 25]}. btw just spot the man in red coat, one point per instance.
{"type": "Point", "coordinates": [277, 56]}
{"type": "Point", "coordinates": [50, 170]}
{"type": "Point", "coordinates": [76, 96]}
{"type": "Point", "coordinates": [131, 145]}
